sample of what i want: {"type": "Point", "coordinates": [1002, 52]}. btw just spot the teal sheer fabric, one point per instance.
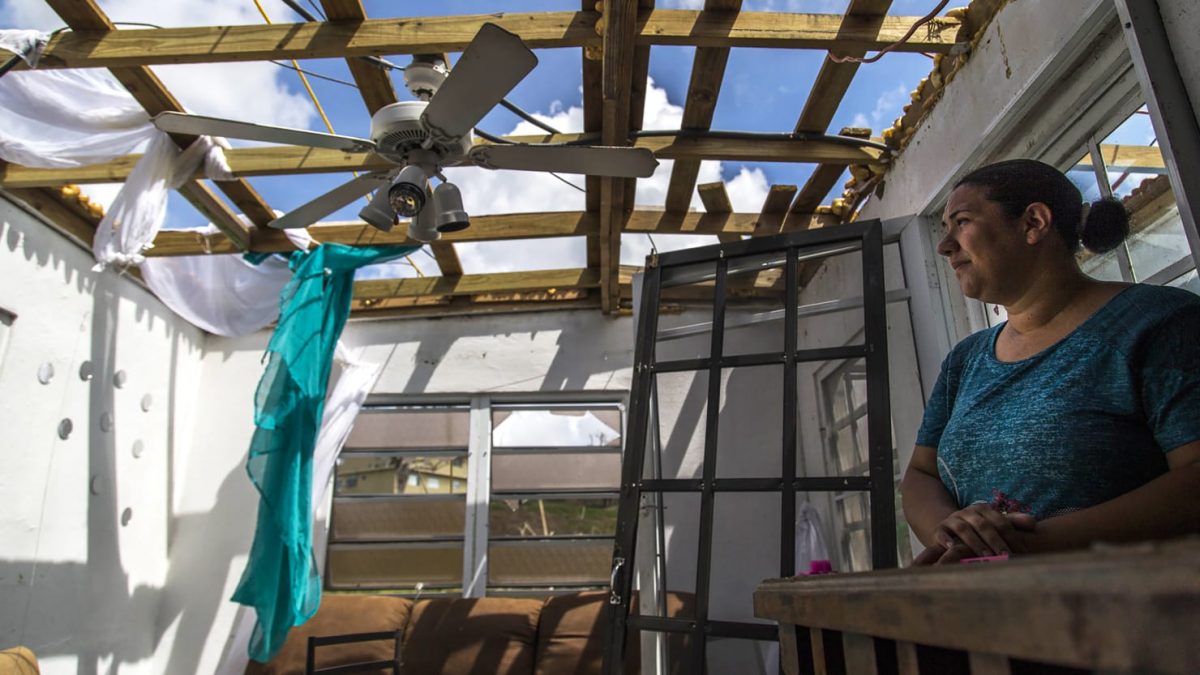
{"type": "Point", "coordinates": [280, 581]}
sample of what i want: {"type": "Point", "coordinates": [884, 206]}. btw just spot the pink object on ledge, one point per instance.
{"type": "Point", "coordinates": [984, 559]}
{"type": "Point", "coordinates": [819, 567]}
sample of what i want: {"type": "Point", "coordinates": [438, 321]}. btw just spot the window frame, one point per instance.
{"type": "Point", "coordinates": [478, 453]}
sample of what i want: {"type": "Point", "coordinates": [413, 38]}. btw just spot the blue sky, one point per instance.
{"type": "Point", "coordinates": [763, 90]}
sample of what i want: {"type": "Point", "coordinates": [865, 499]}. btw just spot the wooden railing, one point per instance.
{"type": "Point", "coordinates": [1130, 609]}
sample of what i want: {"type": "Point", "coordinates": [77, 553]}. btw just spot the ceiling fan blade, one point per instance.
{"type": "Point", "coordinates": [585, 159]}
{"type": "Point", "coordinates": [331, 201]}
{"type": "Point", "coordinates": [494, 62]}
{"type": "Point", "coordinates": [199, 125]}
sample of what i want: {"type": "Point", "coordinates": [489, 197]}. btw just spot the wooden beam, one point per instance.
{"type": "Point", "coordinates": [374, 83]}
{"type": "Point", "coordinates": [144, 85]}
{"type": "Point", "coordinates": [774, 209]}
{"type": "Point", "coordinates": [65, 213]}
{"type": "Point", "coordinates": [823, 179]}
{"type": "Point", "coordinates": [708, 72]}
{"type": "Point", "coordinates": [461, 306]}
{"type": "Point", "coordinates": [290, 159]}
{"type": "Point", "coordinates": [715, 199]}
{"type": "Point", "coordinates": [824, 98]}
{"type": "Point", "coordinates": [102, 46]}
{"type": "Point", "coordinates": [834, 78]}
{"type": "Point", "coordinates": [483, 228]}
{"type": "Point", "coordinates": [620, 21]}
{"type": "Point", "coordinates": [593, 114]}
{"type": "Point", "coordinates": [472, 284]}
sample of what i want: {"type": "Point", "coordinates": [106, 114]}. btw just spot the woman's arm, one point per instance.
{"type": "Point", "coordinates": [938, 522]}
{"type": "Point", "coordinates": [1168, 506]}
{"type": "Point", "coordinates": [926, 501]}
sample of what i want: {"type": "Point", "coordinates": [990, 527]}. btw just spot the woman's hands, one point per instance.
{"type": "Point", "coordinates": [978, 530]}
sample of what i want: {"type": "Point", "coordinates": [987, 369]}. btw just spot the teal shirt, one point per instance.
{"type": "Point", "coordinates": [1086, 420]}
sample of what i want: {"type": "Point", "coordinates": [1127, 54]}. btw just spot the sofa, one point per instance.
{"type": "Point", "coordinates": [561, 634]}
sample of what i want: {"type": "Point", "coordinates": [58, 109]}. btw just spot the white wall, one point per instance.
{"type": "Point", "coordinates": [77, 586]}
{"type": "Point", "coordinates": [537, 352]}
{"type": "Point", "coordinates": [1182, 21]}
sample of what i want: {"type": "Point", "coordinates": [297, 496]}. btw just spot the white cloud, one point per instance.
{"type": "Point", "coordinates": [491, 192]}
{"type": "Point", "coordinates": [888, 107]}
{"type": "Point", "coordinates": [254, 92]}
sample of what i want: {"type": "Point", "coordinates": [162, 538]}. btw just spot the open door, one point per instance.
{"type": "Point", "coordinates": [718, 483]}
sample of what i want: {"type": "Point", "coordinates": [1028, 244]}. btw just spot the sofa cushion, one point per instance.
{"type": "Point", "coordinates": [572, 627]}
{"type": "Point", "coordinates": [472, 635]}
{"type": "Point", "coordinates": [340, 615]}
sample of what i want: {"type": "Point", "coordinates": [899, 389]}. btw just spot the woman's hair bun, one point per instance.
{"type": "Point", "coordinates": [1105, 226]}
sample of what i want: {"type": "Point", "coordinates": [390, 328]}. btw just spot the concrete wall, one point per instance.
{"type": "Point", "coordinates": [80, 584]}
{"type": "Point", "coordinates": [1182, 20]}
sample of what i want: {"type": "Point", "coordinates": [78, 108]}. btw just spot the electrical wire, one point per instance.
{"type": "Point", "coordinates": [566, 181]}
{"type": "Point", "coordinates": [527, 117]}
{"type": "Point", "coordinates": [319, 76]}
{"type": "Point", "coordinates": [907, 36]}
{"type": "Point", "coordinates": [317, 9]}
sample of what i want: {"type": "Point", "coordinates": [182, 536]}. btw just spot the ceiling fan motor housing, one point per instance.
{"type": "Point", "coordinates": [396, 130]}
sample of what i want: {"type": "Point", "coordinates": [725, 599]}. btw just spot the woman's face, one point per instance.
{"type": "Point", "coordinates": [986, 250]}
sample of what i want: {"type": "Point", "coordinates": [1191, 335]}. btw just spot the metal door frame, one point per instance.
{"type": "Point", "coordinates": [867, 238]}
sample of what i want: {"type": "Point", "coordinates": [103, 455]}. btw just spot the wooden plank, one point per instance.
{"type": "Point", "coordinates": [708, 72]}
{"type": "Point", "coordinates": [593, 113]}
{"type": "Point", "coordinates": [65, 213]}
{"type": "Point", "coordinates": [374, 83]}
{"type": "Point", "coordinates": [774, 210]}
{"type": "Point", "coordinates": [483, 228]}
{"type": "Point", "coordinates": [789, 650]}
{"type": "Point", "coordinates": [217, 212]}
{"type": "Point", "coordinates": [834, 78]}
{"type": "Point", "coordinates": [816, 188]}
{"type": "Point", "coordinates": [471, 284]}
{"type": "Point", "coordinates": [463, 307]}
{"type": "Point", "coordinates": [715, 198]}
{"type": "Point", "coordinates": [860, 654]}
{"type": "Point", "coordinates": [86, 16]}
{"type": "Point", "coordinates": [1120, 608]}
{"type": "Point", "coordinates": [620, 20]}
{"type": "Point", "coordinates": [906, 658]}
{"type": "Point", "coordinates": [100, 46]}
{"type": "Point", "coordinates": [988, 664]}
{"type": "Point", "coordinates": [290, 159]}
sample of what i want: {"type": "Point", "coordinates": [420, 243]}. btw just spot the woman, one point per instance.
{"type": "Point", "coordinates": [1078, 419]}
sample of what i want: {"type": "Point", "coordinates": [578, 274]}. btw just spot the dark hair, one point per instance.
{"type": "Point", "coordinates": [1017, 183]}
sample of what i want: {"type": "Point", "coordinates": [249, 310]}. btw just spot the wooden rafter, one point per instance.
{"type": "Point", "coordinates": [593, 114]}
{"type": "Point", "coordinates": [93, 45]}
{"type": "Point", "coordinates": [774, 209]}
{"type": "Point", "coordinates": [715, 199]}
{"type": "Point", "coordinates": [620, 21]}
{"type": "Point", "coordinates": [375, 86]}
{"type": "Point", "coordinates": [505, 227]}
{"type": "Point", "coordinates": [289, 159]}
{"type": "Point", "coordinates": [85, 15]}
{"type": "Point", "coordinates": [826, 96]}
{"type": "Point", "coordinates": [708, 72]}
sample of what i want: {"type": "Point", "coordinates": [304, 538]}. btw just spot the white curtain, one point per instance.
{"type": "Point", "coordinates": [223, 294]}
{"type": "Point", "coordinates": [67, 118]}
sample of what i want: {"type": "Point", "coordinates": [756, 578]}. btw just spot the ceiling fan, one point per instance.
{"type": "Point", "coordinates": [420, 137]}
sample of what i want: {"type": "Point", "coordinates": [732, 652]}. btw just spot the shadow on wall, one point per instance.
{"type": "Point", "coordinates": [108, 611]}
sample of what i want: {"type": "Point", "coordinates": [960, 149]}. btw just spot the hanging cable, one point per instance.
{"type": "Point", "coordinates": [319, 76]}
{"type": "Point", "coordinates": [907, 36]}
{"type": "Point", "coordinates": [566, 181]}
{"type": "Point", "coordinates": [528, 118]}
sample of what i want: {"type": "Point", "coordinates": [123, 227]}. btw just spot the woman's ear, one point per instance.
{"type": "Point", "coordinates": [1038, 221]}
